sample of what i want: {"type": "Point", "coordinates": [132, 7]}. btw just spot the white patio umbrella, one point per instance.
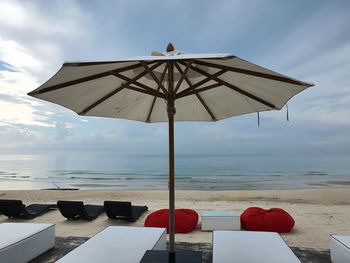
{"type": "Point", "coordinates": [167, 87]}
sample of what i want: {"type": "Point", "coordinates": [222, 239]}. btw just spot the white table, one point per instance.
{"type": "Point", "coordinates": [220, 220]}
{"type": "Point", "coordinates": [340, 249]}
{"type": "Point", "coordinates": [118, 244]}
{"type": "Point", "coordinates": [251, 247]}
{"type": "Point", "coordinates": [22, 242]}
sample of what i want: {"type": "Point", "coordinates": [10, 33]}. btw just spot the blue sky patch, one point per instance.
{"type": "Point", "coordinates": [6, 67]}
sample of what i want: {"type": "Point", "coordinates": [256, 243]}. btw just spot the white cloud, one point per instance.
{"type": "Point", "coordinates": [36, 37]}
{"type": "Point", "coordinates": [18, 138]}
{"type": "Point", "coordinates": [15, 113]}
{"type": "Point", "coordinates": [16, 84]}
{"type": "Point", "coordinates": [62, 18]}
{"type": "Point", "coordinates": [15, 106]}
{"type": "Point", "coordinates": [31, 42]}
{"type": "Point", "coordinates": [63, 130]}
{"type": "Point", "coordinates": [12, 53]}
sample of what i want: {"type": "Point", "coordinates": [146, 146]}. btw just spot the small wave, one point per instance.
{"type": "Point", "coordinates": [82, 172]}
{"type": "Point", "coordinates": [144, 178]}
{"type": "Point", "coordinates": [338, 182]}
{"type": "Point", "coordinates": [15, 176]}
{"type": "Point", "coordinates": [7, 173]}
{"type": "Point", "coordinates": [92, 178]}
{"type": "Point", "coordinates": [314, 173]}
{"type": "Point", "coordinates": [276, 175]}
{"type": "Point", "coordinates": [97, 185]}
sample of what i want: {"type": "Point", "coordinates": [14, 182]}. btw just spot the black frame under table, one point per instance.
{"type": "Point", "coordinates": [164, 256]}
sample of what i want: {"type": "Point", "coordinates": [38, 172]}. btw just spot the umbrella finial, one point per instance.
{"type": "Point", "coordinates": [170, 48]}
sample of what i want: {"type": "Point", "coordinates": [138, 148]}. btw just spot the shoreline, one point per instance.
{"type": "Point", "coordinates": [229, 184]}
{"type": "Point", "coordinates": [333, 195]}
{"type": "Point", "coordinates": [317, 212]}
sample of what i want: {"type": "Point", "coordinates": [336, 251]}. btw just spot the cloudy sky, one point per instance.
{"type": "Point", "coordinates": [307, 40]}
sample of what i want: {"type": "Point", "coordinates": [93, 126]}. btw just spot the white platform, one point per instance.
{"type": "Point", "coordinates": [22, 242]}
{"type": "Point", "coordinates": [340, 249]}
{"type": "Point", "coordinates": [118, 244]}
{"type": "Point", "coordinates": [220, 220]}
{"type": "Point", "coordinates": [251, 247]}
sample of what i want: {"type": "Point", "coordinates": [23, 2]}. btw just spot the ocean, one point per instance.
{"type": "Point", "coordinates": [202, 172]}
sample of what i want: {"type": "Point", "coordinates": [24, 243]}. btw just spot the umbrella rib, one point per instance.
{"type": "Point", "coordinates": [195, 92]}
{"type": "Point", "coordinates": [112, 93]}
{"type": "Point", "coordinates": [155, 97]}
{"type": "Point", "coordinates": [183, 75]}
{"type": "Point", "coordinates": [213, 118]}
{"type": "Point", "coordinates": [151, 73]}
{"type": "Point", "coordinates": [233, 87]}
{"type": "Point", "coordinates": [199, 90]}
{"type": "Point", "coordinates": [184, 92]}
{"type": "Point", "coordinates": [250, 72]}
{"type": "Point", "coordinates": [132, 81]}
{"type": "Point", "coordinates": [148, 92]}
{"type": "Point", "coordinates": [84, 111]}
{"type": "Point", "coordinates": [85, 79]}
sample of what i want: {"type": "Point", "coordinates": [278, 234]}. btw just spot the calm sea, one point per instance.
{"type": "Point", "coordinates": [86, 171]}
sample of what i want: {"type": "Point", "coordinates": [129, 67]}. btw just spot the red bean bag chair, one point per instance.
{"type": "Point", "coordinates": [274, 220]}
{"type": "Point", "coordinates": [185, 220]}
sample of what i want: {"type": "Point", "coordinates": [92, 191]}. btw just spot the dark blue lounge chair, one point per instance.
{"type": "Point", "coordinates": [16, 209]}
{"type": "Point", "coordinates": [124, 210]}
{"type": "Point", "coordinates": [77, 210]}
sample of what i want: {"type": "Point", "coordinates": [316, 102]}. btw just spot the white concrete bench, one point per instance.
{"type": "Point", "coordinates": [220, 220]}
{"type": "Point", "coordinates": [251, 247]}
{"type": "Point", "coordinates": [22, 242]}
{"type": "Point", "coordinates": [118, 244]}
{"type": "Point", "coordinates": [340, 249]}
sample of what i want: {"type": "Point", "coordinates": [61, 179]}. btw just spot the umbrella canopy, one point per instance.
{"type": "Point", "coordinates": [168, 87]}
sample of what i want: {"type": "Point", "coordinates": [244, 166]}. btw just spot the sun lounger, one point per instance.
{"type": "Point", "coordinates": [16, 209]}
{"type": "Point", "coordinates": [251, 247]}
{"type": "Point", "coordinates": [77, 210]}
{"type": "Point", "coordinates": [340, 249]}
{"type": "Point", "coordinates": [118, 244]}
{"type": "Point", "coordinates": [22, 242]}
{"type": "Point", "coordinates": [124, 210]}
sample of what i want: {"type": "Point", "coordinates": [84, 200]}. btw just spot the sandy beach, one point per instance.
{"type": "Point", "coordinates": [317, 212]}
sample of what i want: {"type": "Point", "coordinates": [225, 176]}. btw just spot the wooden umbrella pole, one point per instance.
{"type": "Point", "coordinates": [171, 113]}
